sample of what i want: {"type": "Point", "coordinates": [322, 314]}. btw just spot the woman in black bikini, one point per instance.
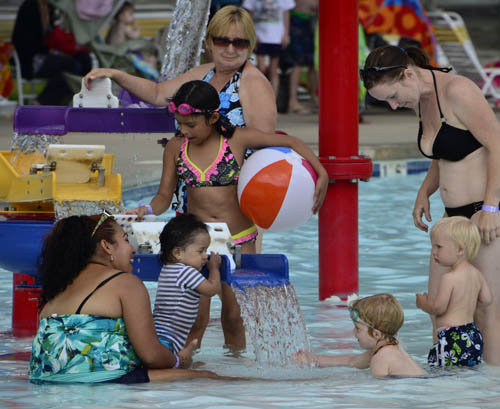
{"type": "Point", "coordinates": [460, 133]}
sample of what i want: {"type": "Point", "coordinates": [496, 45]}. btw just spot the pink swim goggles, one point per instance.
{"type": "Point", "coordinates": [186, 109]}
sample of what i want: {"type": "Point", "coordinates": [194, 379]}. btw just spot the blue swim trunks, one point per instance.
{"type": "Point", "coordinates": [457, 346]}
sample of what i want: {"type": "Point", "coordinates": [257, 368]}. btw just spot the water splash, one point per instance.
{"type": "Point", "coordinates": [185, 36]}
{"type": "Point", "coordinates": [33, 143]}
{"type": "Point", "coordinates": [27, 149]}
{"type": "Point", "coordinates": [274, 323]}
{"type": "Point", "coordinates": [84, 207]}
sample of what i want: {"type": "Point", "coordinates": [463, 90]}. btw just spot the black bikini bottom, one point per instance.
{"type": "Point", "coordinates": [138, 375]}
{"type": "Point", "coordinates": [467, 211]}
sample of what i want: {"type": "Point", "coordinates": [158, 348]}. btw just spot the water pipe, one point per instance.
{"type": "Point", "coordinates": [338, 148]}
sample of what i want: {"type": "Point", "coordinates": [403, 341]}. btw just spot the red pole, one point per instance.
{"type": "Point", "coordinates": [338, 147]}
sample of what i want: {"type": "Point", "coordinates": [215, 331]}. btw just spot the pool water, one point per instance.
{"type": "Point", "coordinates": [393, 257]}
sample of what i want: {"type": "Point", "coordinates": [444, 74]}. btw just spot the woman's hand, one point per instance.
{"type": "Point", "coordinates": [488, 224]}
{"type": "Point", "coordinates": [422, 207]}
{"type": "Point", "coordinates": [140, 212]}
{"type": "Point", "coordinates": [97, 73]}
{"type": "Point", "coordinates": [186, 354]}
{"type": "Point", "coordinates": [320, 191]}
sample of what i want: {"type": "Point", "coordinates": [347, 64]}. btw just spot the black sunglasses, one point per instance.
{"type": "Point", "coordinates": [374, 72]}
{"type": "Point", "coordinates": [238, 43]}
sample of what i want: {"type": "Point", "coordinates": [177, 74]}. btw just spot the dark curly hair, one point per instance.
{"type": "Point", "coordinates": [67, 249]}
{"type": "Point", "coordinates": [180, 231]}
{"type": "Point", "coordinates": [202, 95]}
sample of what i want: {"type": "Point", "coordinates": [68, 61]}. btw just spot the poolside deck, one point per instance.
{"type": "Point", "coordinates": [384, 135]}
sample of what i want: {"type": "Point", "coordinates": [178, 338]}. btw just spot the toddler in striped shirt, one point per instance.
{"type": "Point", "coordinates": [184, 242]}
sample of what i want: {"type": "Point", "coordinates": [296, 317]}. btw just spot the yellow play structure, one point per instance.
{"type": "Point", "coordinates": [42, 175]}
{"type": "Point", "coordinates": [68, 173]}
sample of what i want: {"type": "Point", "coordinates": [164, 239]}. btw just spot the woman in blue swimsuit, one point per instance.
{"type": "Point", "coordinates": [246, 96]}
{"type": "Point", "coordinates": [460, 133]}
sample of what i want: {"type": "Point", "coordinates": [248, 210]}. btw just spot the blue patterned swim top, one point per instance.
{"type": "Point", "coordinates": [81, 348]}
{"type": "Point", "coordinates": [229, 96]}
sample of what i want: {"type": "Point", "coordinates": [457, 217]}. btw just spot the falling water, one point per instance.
{"type": "Point", "coordinates": [273, 322]}
{"type": "Point", "coordinates": [26, 150]}
{"type": "Point", "coordinates": [185, 36]}
{"type": "Point", "coordinates": [84, 207]}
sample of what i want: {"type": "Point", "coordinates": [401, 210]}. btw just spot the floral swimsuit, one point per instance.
{"type": "Point", "coordinates": [82, 348]}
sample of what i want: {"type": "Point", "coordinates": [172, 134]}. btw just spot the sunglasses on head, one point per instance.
{"type": "Point", "coordinates": [104, 216]}
{"type": "Point", "coordinates": [374, 72]}
{"type": "Point", "coordinates": [238, 43]}
{"type": "Point", "coordinates": [186, 109]}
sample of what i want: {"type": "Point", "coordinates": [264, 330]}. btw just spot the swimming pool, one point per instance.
{"type": "Point", "coordinates": [392, 257]}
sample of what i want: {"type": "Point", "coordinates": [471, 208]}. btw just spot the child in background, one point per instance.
{"type": "Point", "coordinates": [272, 26]}
{"type": "Point", "coordinates": [124, 26]}
{"type": "Point", "coordinates": [207, 156]}
{"type": "Point", "coordinates": [184, 242]}
{"type": "Point", "coordinates": [455, 241]}
{"type": "Point", "coordinates": [377, 320]}
{"type": "Point", "coordinates": [300, 52]}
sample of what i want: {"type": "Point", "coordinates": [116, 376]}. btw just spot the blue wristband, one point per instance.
{"type": "Point", "coordinates": [150, 209]}
{"type": "Point", "coordinates": [489, 209]}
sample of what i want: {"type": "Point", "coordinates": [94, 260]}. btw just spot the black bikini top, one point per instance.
{"type": "Point", "coordinates": [450, 143]}
{"type": "Point", "coordinates": [95, 289]}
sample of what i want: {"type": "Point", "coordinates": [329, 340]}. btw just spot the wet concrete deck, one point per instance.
{"type": "Point", "coordinates": [383, 135]}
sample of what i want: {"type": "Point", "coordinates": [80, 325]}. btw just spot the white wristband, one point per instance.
{"type": "Point", "coordinates": [489, 209]}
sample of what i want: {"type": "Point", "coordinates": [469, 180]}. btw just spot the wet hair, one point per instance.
{"type": "Point", "coordinates": [228, 15]}
{"type": "Point", "coordinates": [383, 312]}
{"type": "Point", "coordinates": [202, 95]}
{"type": "Point", "coordinates": [387, 64]}
{"type": "Point", "coordinates": [462, 232]}
{"type": "Point", "coordinates": [67, 250]}
{"type": "Point", "coordinates": [180, 231]}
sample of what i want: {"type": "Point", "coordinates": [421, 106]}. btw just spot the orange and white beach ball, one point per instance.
{"type": "Point", "coordinates": [276, 188]}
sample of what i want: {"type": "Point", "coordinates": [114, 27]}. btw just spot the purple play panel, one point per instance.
{"type": "Point", "coordinates": [59, 120]}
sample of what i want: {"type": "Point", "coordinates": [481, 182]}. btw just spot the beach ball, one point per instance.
{"type": "Point", "coordinates": [276, 188]}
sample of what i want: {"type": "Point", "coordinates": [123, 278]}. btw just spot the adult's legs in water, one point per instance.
{"type": "Point", "coordinates": [231, 321]}
{"type": "Point", "coordinates": [487, 319]}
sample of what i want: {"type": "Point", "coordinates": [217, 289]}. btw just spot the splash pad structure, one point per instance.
{"type": "Point", "coordinates": [344, 167]}
{"type": "Point", "coordinates": [42, 180]}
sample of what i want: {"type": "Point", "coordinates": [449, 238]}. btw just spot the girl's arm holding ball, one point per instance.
{"type": "Point", "coordinates": [252, 138]}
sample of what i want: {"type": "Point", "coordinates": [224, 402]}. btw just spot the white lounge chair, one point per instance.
{"type": "Point", "coordinates": [457, 47]}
